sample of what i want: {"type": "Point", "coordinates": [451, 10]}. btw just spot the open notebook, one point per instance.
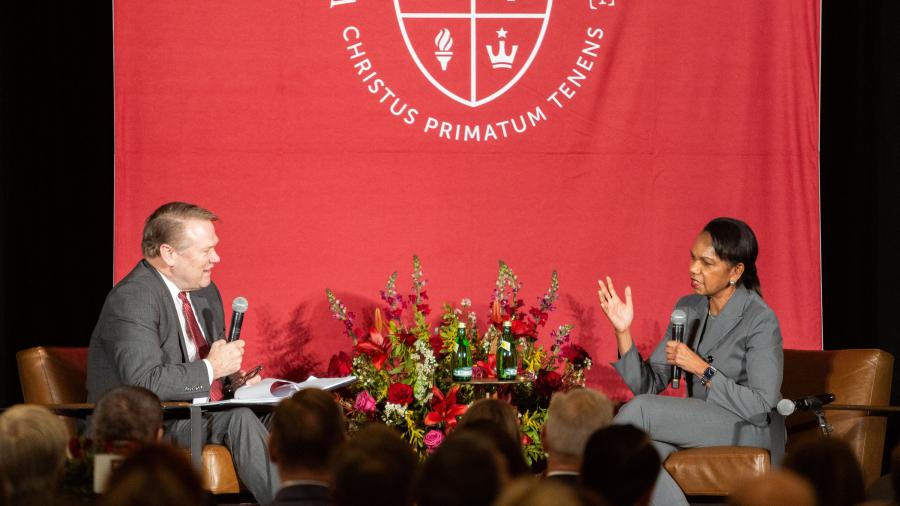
{"type": "Point", "coordinates": [272, 390]}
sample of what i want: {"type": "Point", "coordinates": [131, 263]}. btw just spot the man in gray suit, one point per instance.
{"type": "Point", "coordinates": [162, 328]}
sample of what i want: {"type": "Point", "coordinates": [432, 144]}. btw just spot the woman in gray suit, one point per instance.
{"type": "Point", "coordinates": [732, 357]}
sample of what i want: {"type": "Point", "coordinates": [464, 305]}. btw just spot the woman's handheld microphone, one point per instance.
{"type": "Point", "coordinates": [679, 318]}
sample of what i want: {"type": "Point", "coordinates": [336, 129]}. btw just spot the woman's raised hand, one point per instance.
{"type": "Point", "coordinates": [620, 313]}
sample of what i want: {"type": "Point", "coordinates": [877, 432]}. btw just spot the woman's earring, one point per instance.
{"type": "Point", "coordinates": [731, 282]}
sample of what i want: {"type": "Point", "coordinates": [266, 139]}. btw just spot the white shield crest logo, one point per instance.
{"type": "Point", "coordinates": [473, 51]}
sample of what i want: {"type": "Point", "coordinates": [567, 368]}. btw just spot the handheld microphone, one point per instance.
{"type": "Point", "coordinates": [679, 318]}
{"type": "Point", "coordinates": [810, 403]}
{"type": "Point", "coordinates": [238, 308]}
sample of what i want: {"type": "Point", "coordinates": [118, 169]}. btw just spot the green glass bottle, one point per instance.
{"type": "Point", "coordinates": [507, 363]}
{"type": "Point", "coordinates": [462, 358]}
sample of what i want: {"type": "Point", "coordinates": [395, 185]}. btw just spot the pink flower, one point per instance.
{"type": "Point", "coordinates": [365, 403]}
{"type": "Point", "coordinates": [433, 439]}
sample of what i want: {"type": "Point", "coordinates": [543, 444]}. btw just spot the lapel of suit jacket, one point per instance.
{"type": "Point", "coordinates": [730, 316]}
{"type": "Point", "coordinates": [696, 320]}
{"type": "Point", "coordinates": [170, 308]}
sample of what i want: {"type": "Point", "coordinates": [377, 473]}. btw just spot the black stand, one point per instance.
{"type": "Point", "coordinates": [824, 426]}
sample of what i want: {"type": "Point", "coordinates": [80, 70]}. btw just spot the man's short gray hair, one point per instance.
{"type": "Point", "coordinates": [33, 445]}
{"type": "Point", "coordinates": [572, 417]}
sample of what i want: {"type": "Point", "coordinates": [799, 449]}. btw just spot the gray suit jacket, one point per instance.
{"type": "Point", "coordinates": [138, 339]}
{"type": "Point", "coordinates": [745, 344]}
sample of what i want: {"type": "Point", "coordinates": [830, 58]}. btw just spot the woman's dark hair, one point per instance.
{"type": "Point", "coordinates": [463, 471]}
{"type": "Point", "coordinates": [510, 448]}
{"type": "Point", "coordinates": [831, 466]}
{"type": "Point", "coordinates": [735, 243]}
{"type": "Point", "coordinates": [374, 468]}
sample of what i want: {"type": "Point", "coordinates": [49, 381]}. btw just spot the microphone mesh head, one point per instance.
{"type": "Point", "coordinates": [679, 317]}
{"type": "Point", "coordinates": [786, 407]}
{"type": "Point", "coordinates": [239, 305]}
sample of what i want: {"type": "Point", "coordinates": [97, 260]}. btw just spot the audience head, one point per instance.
{"type": "Point", "coordinates": [621, 464]}
{"type": "Point", "coordinates": [777, 487]}
{"type": "Point", "coordinates": [895, 473]}
{"type": "Point", "coordinates": [508, 448]}
{"type": "Point", "coordinates": [128, 413]}
{"type": "Point", "coordinates": [529, 491]}
{"type": "Point", "coordinates": [306, 431]}
{"type": "Point", "coordinates": [152, 475]}
{"type": "Point", "coordinates": [499, 413]}
{"type": "Point", "coordinates": [466, 470]}
{"type": "Point", "coordinates": [571, 419]}
{"type": "Point", "coordinates": [376, 468]}
{"type": "Point", "coordinates": [33, 444]}
{"type": "Point", "coordinates": [831, 468]}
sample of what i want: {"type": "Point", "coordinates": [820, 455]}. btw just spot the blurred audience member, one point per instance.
{"type": "Point", "coordinates": [155, 475]}
{"type": "Point", "coordinates": [621, 464]}
{"type": "Point", "coordinates": [500, 413]}
{"type": "Point", "coordinates": [127, 414]}
{"type": "Point", "coordinates": [529, 491]}
{"type": "Point", "coordinates": [831, 468]}
{"type": "Point", "coordinates": [33, 445]}
{"type": "Point", "coordinates": [306, 431]}
{"type": "Point", "coordinates": [571, 419]}
{"type": "Point", "coordinates": [778, 487]}
{"type": "Point", "coordinates": [895, 473]}
{"type": "Point", "coordinates": [511, 450]}
{"type": "Point", "coordinates": [466, 470]}
{"type": "Point", "coordinates": [375, 468]}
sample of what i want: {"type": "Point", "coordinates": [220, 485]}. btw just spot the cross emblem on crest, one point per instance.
{"type": "Point", "coordinates": [473, 51]}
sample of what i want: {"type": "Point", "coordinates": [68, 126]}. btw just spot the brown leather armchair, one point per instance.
{"type": "Point", "coordinates": [54, 376]}
{"type": "Point", "coordinates": [855, 377]}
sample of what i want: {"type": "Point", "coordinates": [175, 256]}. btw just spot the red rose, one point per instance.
{"type": "Point", "coordinates": [576, 355]}
{"type": "Point", "coordinates": [340, 365]}
{"type": "Point", "coordinates": [548, 382]}
{"type": "Point", "coordinates": [400, 393]}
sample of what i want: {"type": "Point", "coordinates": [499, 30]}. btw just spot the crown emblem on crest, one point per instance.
{"type": "Point", "coordinates": [501, 59]}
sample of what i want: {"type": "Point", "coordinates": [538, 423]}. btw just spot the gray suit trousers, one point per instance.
{"type": "Point", "coordinates": [677, 423]}
{"type": "Point", "coordinates": [246, 437]}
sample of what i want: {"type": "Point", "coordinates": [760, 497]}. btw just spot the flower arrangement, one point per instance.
{"type": "Point", "coordinates": [77, 482]}
{"type": "Point", "coordinates": [403, 365]}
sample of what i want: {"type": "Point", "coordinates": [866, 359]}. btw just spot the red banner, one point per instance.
{"type": "Point", "coordinates": [338, 138]}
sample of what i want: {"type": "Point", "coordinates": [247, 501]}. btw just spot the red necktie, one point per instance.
{"type": "Point", "coordinates": [193, 327]}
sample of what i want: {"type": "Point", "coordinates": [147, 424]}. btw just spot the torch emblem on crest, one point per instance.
{"type": "Point", "coordinates": [444, 42]}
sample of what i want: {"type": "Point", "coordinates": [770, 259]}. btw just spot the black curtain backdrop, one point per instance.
{"type": "Point", "coordinates": [56, 176]}
{"type": "Point", "coordinates": [860, 181]}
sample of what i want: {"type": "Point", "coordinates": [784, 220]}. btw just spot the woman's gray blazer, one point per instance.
{"type": "Point", "coordinates": [744, 344]}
